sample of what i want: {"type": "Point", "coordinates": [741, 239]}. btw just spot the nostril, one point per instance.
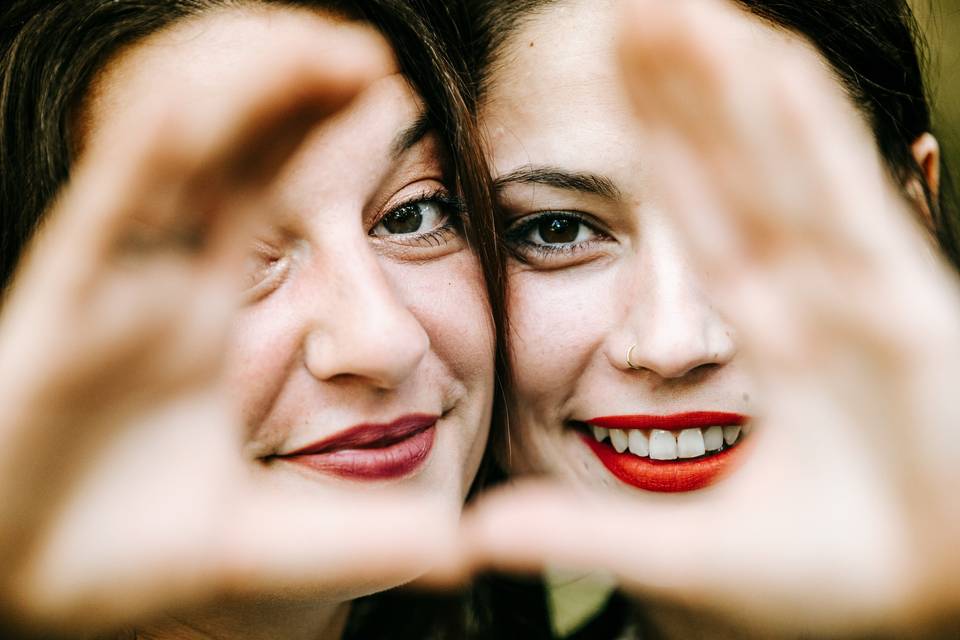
{"type": "Point", "coordinates": [675, 369]}
{"type": "Point", "coordinates": [704, 370]}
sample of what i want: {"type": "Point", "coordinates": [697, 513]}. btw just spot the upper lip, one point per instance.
{"type": "Point", "coordinates": [671, 422]}
{"type": "Point", "coordinates": [370, 435]}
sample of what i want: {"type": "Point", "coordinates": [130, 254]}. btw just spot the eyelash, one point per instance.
{"type": "Point", "coordinates": [274, 270]}
{"type": "Point", "coordinates": [525, 251]}
{"type": "Point", "coordinates": [452, 206]}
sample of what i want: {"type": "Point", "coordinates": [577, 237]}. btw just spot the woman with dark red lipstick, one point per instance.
{"type": "Point", "coordinates": [727, 313]}
{"type": "Point", "coordinates": [191, 467]}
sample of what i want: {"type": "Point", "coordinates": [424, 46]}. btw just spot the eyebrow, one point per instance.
{"type": "Point", "coordinates": [411, 136]}
{"type": "Point", "coordinates": [591, 183]}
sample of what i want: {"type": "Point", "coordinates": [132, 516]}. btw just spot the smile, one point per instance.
{"type": "Point", "coordinates": [675, 453]}
{"type": "Point", "coordinates": [372, 451]}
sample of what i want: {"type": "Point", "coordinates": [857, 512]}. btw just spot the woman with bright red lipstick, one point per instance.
{"type": "Point", "coordinates": [192, 467]}
{"type": "Point", "coordinates": [726, 312]}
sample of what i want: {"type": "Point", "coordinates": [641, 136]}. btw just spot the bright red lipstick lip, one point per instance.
{"type": "Point", "coordinates": [667, 476]}
{"type": "Point", "coordinates": [372, 451]}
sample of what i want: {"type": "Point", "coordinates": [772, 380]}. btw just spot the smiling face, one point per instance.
{"type": "Point", "coordinates": [611, 324]}
{"type": "Point", "coordinates": [363, 355]}
{"type": "Point", "coordinates": [367, 308]}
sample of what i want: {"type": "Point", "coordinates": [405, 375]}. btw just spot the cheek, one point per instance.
{"type": "Point", "coordinates": [558, 321]}
{"type": "Point", "coordinates": [449, 299]}
{"type": "Point", "coordinates": [261, 348]}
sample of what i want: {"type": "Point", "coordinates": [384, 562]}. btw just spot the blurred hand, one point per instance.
{"type": "Point", "coordinates": [843, 516]}
{"type": "Point", "coordinates": [123, 490]}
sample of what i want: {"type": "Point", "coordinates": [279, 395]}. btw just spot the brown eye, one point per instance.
{"type": "Point", "coordinates": [406, 219]}
{"type": "Point", "coordinates": [552, 229]}
{"type": "Point", "coordinates": [413, 218]}
{"type": "Point", "coordinates": [557, 239]}
{"type": "Point", "coordinates": [556, 230]}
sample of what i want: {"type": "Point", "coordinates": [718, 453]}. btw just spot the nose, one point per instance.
{"type": "Point", "coordinates": [675, 346]}
{"type": "Point", "coordinates": [365, 330]}
{"type": "Point", "coordinates": [669, 327]}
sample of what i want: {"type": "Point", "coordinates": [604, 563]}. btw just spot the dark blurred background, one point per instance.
{"type": "Point", "coordinates": [940, 19]}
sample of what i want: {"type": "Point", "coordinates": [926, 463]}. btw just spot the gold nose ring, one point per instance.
{"type": "Point", "coordinates": [630, 358]}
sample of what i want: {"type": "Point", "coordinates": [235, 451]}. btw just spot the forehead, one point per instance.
{"type": "Point", "coordinates": [355, 148]}
{"type": "Point", "coordinates": [556, 95]}
{"type": "Point", "coordinates": [557, 73]}
{"type": "Point", "coordinates": [200, 55]}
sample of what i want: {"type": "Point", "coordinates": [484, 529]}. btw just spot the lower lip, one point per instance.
{"type": "Point", "coordinates": [385, 463]}
{"type": "Point", "coordinates": [664, 476]}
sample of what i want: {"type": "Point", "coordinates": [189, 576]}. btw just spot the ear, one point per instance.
{"type": "Point", "coordinates": [926, 153]}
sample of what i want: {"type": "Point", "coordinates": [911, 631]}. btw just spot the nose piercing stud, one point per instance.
{"type": "Point", "coordinates": [630, 358]}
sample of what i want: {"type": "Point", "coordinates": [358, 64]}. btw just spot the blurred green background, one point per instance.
{"type": "Point", "coordinates": [940, 19]}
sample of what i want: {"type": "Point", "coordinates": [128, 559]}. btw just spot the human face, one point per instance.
{"type": "Point", "coordinates": [362, 356]}
{"type": "Point", "coordinates": [612, 326]}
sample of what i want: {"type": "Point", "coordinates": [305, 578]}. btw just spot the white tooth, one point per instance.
{"type": "Point", "coordinates": [619, 439]}
{"type": "Point", "coordinates": [600, 433]}
{"type": "Point", "coordinates": [713, 438]}
{"type": "Point", "coordinates": [690, 444]}
{"type": "Point", "coordinates": [730, 434]}
{"type": "Point", "coordinates": [639, 443]}
{"type": "Point", "coordinates": [663, 445]}
{"type": "Point", "coordinates": [746, 429]}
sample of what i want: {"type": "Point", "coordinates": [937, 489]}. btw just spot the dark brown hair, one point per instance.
{"type": "Point", "coordinates": [50, 52]}
{"type": "Point", "coordinates": [875, 48]}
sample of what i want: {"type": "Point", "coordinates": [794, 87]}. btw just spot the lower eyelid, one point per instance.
{"type": "Point", "coordinates": [443, 230]}
{"type": "Point", "coordinates": [586, 251]}
{"type": "Point", "coordinates": [423, 246]}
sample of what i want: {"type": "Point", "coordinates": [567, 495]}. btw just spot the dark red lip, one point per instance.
{"type": "Point", "coordinates": [667, 476]}
{"type": "Point", "coordinates": [674, 422]}
{"type": "Point", "coordinates": [372, 451]}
